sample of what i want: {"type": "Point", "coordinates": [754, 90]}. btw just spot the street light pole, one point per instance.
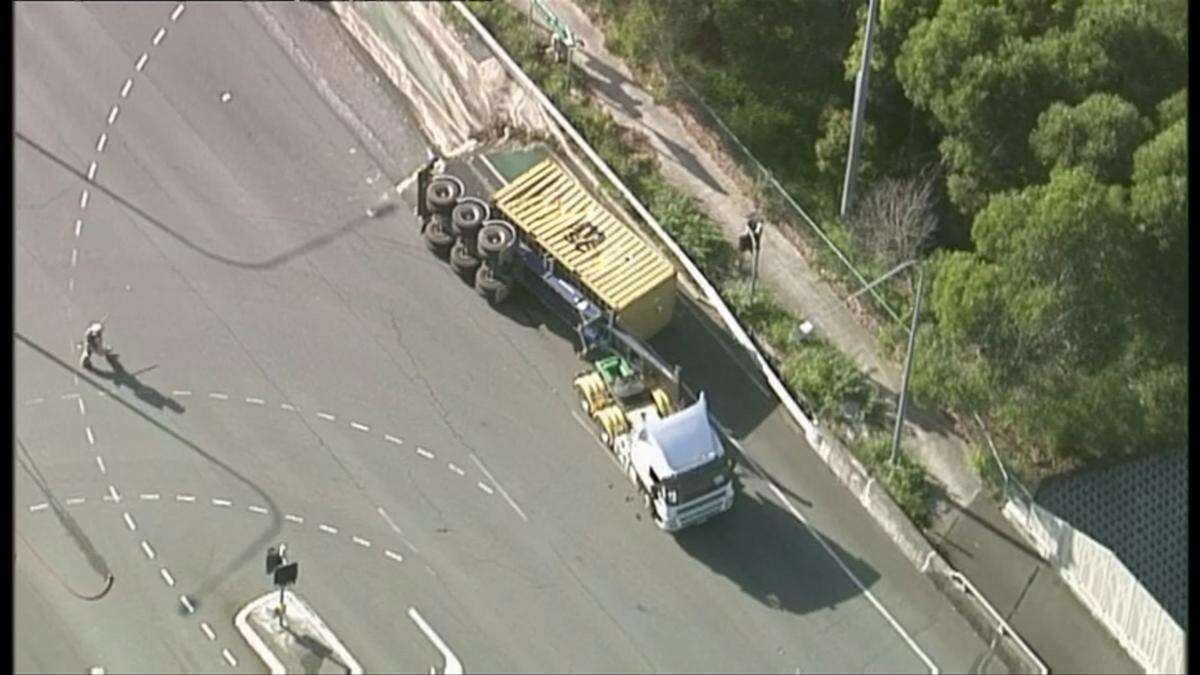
{"type": "Point", "coordinates": [860, 106]}
{"type": "Point", "coordinates": [912, 341]}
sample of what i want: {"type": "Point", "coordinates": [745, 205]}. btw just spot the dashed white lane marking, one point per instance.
{"type": "Point", "coordinates": [74, 256]}
{"type": "Point", "coordinates": [71, 288]}
{"type": "Point", "coordinates": [455, 469]}
{"type": "Point", "coordinates": [208, 631]}
{"type": "Point", "coordinates": [178, 10]}
{"type": "Point", "coordinates": [185, 498]}
{"type": "Point", "coordinates": [360, 427]}
{"type": "Point", "coordinates": [125, 89]}
{"type": "Point", "coordinates": [102, 142]}
{"type": "Point", "coordinates": [255, 401]}
{"type": "Point", "coordinates": [39, 507]}
{"type": "Point", "coordinates": [100, 463]}
{"type": "Point", "coordinates": [287, 406]}
{"type": "Point", "coordinates": [361, 542]}
{"type": "Point", "coordinates": [187, 604]}
{"type": "Point", "coordinates": [112, 114]}
{"type": "Point", "coordinates": [394, 556]}
{"type": "Point", "coordinates": [79, 221]}
{"type": "Point", "coordinates": [229, 658]}
{"type": "Point", "coordinates": [67, 397]}
{"type": "Point", "coordinates": [90, 436]}
{"type": "Point", "coordinates": [129, 521]}
{"type": "Point", "coordinates": [392, 439]}
{"type": "Point", "coordinates": [181, 392]}
{"type": "Point", "coordinates": [83, 199]}
{"type": "Point", "coordinates": [82, 410]}
{"type": "Point", "coordinates": [256, 509]}
{"type": "Point", "coordinates": [75, 500]}
{"type": "Point", "coordinates": [295, 519]}
{"type": "Point", "coordinates": [147, 550]}
{"type": "Point", "coordinates": [35, 401]}
{"type": "Point", "coordinates": [113, 495]}
{"type": "Point", "coordinates": [91, 174]}
{"type": "Point", "coordinates": [326, 416]}
{"type": "Point", "coordinates": [329, 529]}
{"type": "Point", "coordinates": [424, 453]}
{"type": "Point", "coordinates": [219, 396]}
{"type": "Point", "coordinates": [503, 493]}
{"type": "Point", "coordinates": [221, 502]}
{"type": "Point", "coordinates": [148, 496]}
{"type": "Point", "coordinates": [485, 488]}
{"type": "Point", "coordinates": [158, 37]}
{"type": "Point", "coordinates": [141, 62]}
{"type": "Point", "coordinates": [166, 576]}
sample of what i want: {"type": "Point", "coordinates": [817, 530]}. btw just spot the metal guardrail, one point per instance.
{"type": "Point", "coordinates": [1002, 627]}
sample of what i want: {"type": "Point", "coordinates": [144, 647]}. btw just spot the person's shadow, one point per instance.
{"type": "Point", "coordinates": [123, 378]}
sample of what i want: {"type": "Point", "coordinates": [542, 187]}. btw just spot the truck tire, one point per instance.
{"type": "Point", "coordinates": [495, 238]}
{"type": "Point", "coordinates": [437, 239]}
{"type": "Point", "coordinates": [462, 262]}
{"type": "Point", "coordinates": [493, 289]}
{"type": "Point", "coordinates": [467, 217]}
{"type": "Point", "coordinates": [443, 192]}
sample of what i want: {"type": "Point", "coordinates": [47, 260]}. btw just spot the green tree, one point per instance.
{"type": "Point", "coordinates": [1099, 135]}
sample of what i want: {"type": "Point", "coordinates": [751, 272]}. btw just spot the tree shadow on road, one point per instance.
{"type": "Point", "coordinates": [774, 558]}
{"type": "Point", "coordinates": [315, 653]}
{"type": "Point", "coordinates": [690, 162]}
{"type": "Point", "coordinates": [147, 394]}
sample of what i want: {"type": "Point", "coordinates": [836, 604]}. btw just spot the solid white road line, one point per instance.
{"type": "Point", "coordinates": [166, 576]}
{"type": "Point", "coordinates": [392, 439]}
{"type": "Point", "coordinates": [208, 631]}
{"type": "Point", "coordinates": [129, 521]}
{"type": "Point", "coordinates": [453, 666]}
{"type": "Point", "coordinates": [503, 492]}
{"type": "Point", "coordinates": [148, 551]}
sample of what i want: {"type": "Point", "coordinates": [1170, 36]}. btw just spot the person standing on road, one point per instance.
{"type": "Point", "coordinates": [93, 342]}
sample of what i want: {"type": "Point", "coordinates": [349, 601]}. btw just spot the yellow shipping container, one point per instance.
{"type": "Point", "coordinates": [608, 259]}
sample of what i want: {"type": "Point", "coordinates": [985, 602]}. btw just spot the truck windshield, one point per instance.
{"type": "Point", "coordinates": [696, 482]}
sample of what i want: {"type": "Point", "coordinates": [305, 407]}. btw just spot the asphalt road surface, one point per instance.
{"type": "Point", "coordinates": [293, 370]}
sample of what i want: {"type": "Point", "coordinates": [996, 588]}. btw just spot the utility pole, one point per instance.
{"type": "Point", "coordinates": [860, 106]}
{"type": "Point", "coordinates": [912, 341]}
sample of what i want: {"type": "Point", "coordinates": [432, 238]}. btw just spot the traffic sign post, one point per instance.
{"type": "Point", "coordinates": [283, 574]}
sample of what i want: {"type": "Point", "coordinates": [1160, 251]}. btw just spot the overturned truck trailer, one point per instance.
{"type": "Point", "coordinates": [544, 231]}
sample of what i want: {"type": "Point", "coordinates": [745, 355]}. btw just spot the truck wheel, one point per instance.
{"type": "Point", "coordinates": [494, 290]}
{"type": "Point", "coordinates": [462, 262]}
{"type": "Point", "coordinates": [468, 217]}
{"type": "Point", "coordinates": [437, 239]}
{"type": "Point", "coordinates": [443, 192]}
{"type": "Point", "coordinates": [495, 237]}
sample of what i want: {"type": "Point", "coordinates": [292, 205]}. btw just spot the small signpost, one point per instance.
{"type": "Point", "coordinates": [284, 574]}
{"type": "Point", "coordinates": [562, 40]}
{"type": "Point", "coordinates": [751, 240]}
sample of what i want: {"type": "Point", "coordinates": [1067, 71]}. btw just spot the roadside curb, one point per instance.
{"type": "Point", "coordinates": [297, 611]}
{"type": "Point", "coordinates": [912, 543]}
